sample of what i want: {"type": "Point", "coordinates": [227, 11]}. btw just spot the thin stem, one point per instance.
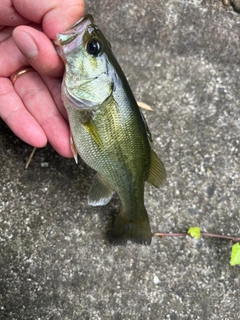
{"type": "Point", "coordinates": [234, 239]}
{"type": "Point", "coordinates": [163, 235]}
{"type": "Point", "coordinates": [203, 234]}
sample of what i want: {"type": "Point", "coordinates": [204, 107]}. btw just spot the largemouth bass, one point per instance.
{"type": "Point", "coordinates": [108, 130]}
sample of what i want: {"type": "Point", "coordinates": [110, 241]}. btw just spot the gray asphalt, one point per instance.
{"type": "Point", "coordinates": [182, 58]}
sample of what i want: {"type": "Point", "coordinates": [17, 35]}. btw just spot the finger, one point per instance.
{"type": "Point", "coordinates": [55, 15]}
{"type": "Point", "coordinates": [19, 120]}
{"type": "Point", "coordinates": [11, 58]}
{"type": "Point", "coordinates": [38, 101]}
{"type": "Point", "coordinates": [38, 50]}
{"type": "Point", "coordinates": [5, 33]}
{"type": "Point", "coordinates": [64, 15]}
{"type": "Point", "coordinates": [54, 86]}
{"type": "Point", "coordinates": [9, 16]}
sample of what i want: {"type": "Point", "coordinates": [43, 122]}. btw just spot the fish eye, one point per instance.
{"type": "Point", "coordinates": [94, 47]}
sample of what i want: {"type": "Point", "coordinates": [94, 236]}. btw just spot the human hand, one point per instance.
{"type": "Point", "coordinates": [32, 106]}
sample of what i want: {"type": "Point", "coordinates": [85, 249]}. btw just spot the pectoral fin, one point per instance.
{"type": "Point", "coordinates": [90, 126]}
{"type": "Point", "coordinates": [157, 173]}
{"type": "Point", "coordinates": [100, 193]}
{"type": "Point", "coordinates": [73, 148]}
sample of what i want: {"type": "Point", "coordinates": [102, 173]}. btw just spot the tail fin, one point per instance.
{"type": "Point", "coordinates": [134, 230]}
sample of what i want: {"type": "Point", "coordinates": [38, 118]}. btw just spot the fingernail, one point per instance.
{"type": "Point", "coordinates": [26, 44]}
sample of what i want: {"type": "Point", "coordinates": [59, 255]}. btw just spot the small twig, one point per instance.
{"type": "Point", "coordinates": [163, 235]}
{"type": "Point", "coordinates": [203, 234]}
{"type": "Point", "coordinates": [30, 158]}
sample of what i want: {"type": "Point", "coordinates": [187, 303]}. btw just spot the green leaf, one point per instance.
{"type": "Point", "coordinates": [195, 232]}
{"type": "Point", "coordinates": [235, 256]}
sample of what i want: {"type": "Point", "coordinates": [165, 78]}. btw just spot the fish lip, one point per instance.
{"type": "Point", "coordinates": [72, 32]}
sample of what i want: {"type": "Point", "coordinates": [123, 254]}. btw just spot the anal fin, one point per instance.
{"type": "Point", "coordinates": [100, 193]}
{"type": "Point", "coordinates": [157, 173]}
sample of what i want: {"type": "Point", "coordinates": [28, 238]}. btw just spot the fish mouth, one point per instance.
{"type": "Point", "coordinates": [67, 36]}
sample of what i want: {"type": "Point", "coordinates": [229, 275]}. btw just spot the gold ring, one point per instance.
{"type": "Point", "coordinates": [20, 72]}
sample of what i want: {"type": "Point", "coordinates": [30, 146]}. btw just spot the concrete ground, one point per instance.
{"type": "Point", "coordinates": [182, 58]}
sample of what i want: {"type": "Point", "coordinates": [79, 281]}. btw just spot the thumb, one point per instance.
{"type": "Point", "coordinates": [38, 50]}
